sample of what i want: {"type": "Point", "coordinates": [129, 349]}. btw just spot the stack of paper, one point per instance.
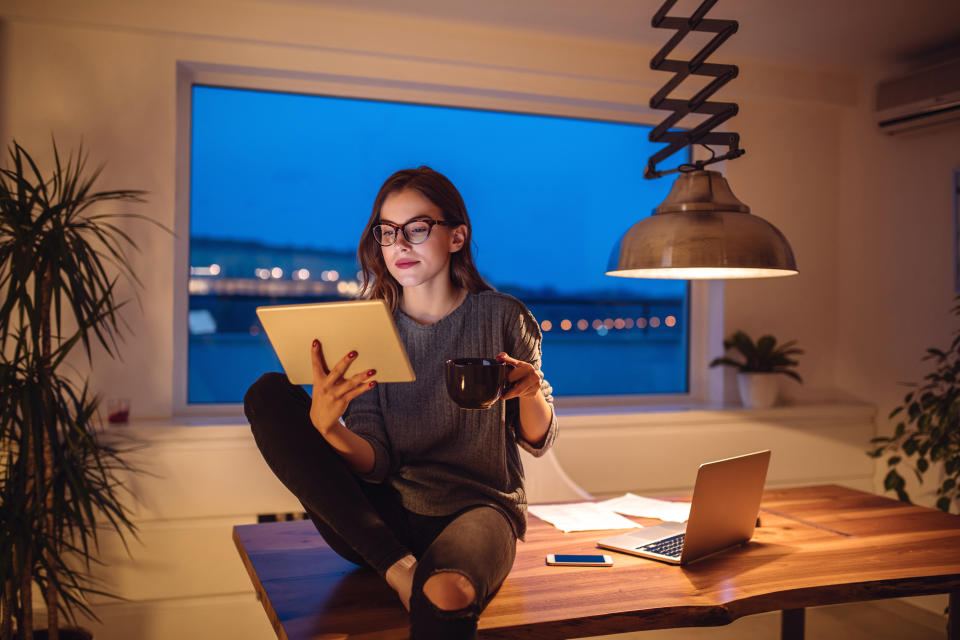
{"type": "Point", "coordinates": [631, 505]}
{"type": "Point", "coordinates": [580, 516]}
{"type": "Point", "coordinates": [593, 516]}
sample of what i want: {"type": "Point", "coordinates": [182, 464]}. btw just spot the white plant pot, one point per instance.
{"type": "Point", "coordinates": [757, 390]}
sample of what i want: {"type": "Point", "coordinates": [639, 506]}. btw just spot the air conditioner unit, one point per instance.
{"type": "Point", "coordinates": [919, 99]}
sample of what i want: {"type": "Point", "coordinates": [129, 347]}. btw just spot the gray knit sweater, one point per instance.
{"type": "Point", "coordinates": [438, 457]}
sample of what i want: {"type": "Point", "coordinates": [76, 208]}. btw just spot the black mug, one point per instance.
{"type": "Point", "coordinates": [476, 383]}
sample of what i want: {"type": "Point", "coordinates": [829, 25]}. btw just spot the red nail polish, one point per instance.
{"type": "Point", "coordinates": [352, 355]}
{"type": "Point", "coordinates": [373, 384]}
{"type": "Point", "coordinates": [371, 372]}
{"type": "Point", "coordinates": [316, 343]}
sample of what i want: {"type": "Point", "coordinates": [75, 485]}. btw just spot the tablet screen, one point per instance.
{"type": "Point", "coordinates": [365, 326]}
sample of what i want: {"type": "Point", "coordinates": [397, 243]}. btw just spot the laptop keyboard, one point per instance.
{"type": "Point", "coordinates": [669, 547]}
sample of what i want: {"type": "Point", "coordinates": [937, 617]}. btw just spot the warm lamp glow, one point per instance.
{"type": "Point", "coordinates": [702, 232]}
{"type": "Point", "coordinates": [701, 273]}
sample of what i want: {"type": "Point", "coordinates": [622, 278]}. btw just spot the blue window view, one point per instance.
{"type": "Point", "coordinates": [282, 185]}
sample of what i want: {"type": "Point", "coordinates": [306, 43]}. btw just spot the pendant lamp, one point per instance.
{"type": "Point", "coordinates": [701, 230]}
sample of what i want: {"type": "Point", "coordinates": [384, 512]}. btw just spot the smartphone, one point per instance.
{"type": "Point", "coordinates": [568, 560]}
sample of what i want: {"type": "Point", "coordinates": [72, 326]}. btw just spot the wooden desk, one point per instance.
{"type": "Point", "coordinates": [816, 546]}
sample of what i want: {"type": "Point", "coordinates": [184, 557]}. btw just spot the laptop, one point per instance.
{"type": "Point", "coordinates": [723, 514]}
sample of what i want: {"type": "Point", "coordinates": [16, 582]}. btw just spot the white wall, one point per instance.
{"type": "Point", "coordinates": [896, 258]}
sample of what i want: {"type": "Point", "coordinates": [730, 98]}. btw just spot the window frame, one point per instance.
{"type": "Point", "coordinates": [705, 324]}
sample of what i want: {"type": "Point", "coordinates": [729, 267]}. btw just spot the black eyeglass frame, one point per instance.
{"type": "Point", "coordinates": [402, 228]}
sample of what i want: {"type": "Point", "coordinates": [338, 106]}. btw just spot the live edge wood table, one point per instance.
{"type": "Point", "coordinates": [815, 546]}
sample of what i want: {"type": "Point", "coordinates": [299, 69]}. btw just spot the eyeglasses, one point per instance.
{"type": "Point", "coordinates": [414, 231]}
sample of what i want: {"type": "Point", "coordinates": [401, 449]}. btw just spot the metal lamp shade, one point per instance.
{"type": "Point", "coordinates": [702, 231]}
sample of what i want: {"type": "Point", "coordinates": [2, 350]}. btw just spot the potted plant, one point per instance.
{"type": "Point", "coordinates": [59, 265]}
{"type": "Point", "coordinates": [761, 362]}
{"type": "Point", "coordinates": [928, 430]}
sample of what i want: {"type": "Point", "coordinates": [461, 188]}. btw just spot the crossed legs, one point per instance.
{"type": "Point", "coordinates": [461, 559]}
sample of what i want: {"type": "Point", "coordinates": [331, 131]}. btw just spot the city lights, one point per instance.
{"type": "Point", "coordinates": [198, 287]}
{"type": "Point", "coordinates": [605, 326]}
{"type": "Point", "coordinates": [348, 287]}
{"type": "Point", "coordinates": [212, 270]}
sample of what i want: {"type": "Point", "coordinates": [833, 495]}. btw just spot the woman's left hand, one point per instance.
{"type": "Point", "coordinates": [525, 380]}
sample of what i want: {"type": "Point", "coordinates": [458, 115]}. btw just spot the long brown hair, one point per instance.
{"type": "Point", "coordinates": [435, 187]}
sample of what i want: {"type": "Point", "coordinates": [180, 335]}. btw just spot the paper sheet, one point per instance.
{"type": "Point", "coordinates": [581, 516]}
{"type": "Point", "coordinates": [633, 505]}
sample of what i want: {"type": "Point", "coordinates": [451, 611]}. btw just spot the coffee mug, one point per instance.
{"type": "Point", "coordinates": [476, 383]}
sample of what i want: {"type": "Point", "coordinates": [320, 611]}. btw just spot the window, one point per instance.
{"type": "Point", "coordinates": [281, 185]}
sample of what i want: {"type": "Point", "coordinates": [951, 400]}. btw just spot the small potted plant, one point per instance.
{"type": "Point", "coordinates": [928, 428]}
{"type": "Point", "coordinates": [762, 361]}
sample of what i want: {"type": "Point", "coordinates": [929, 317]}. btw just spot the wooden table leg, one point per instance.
{"type": "Point", "coordinates": [791, 624]}
{"type": "Point", "coordinates": [953, 621]}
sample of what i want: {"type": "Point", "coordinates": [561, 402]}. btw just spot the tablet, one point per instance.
{"type": "Point", "coordinates": [362, 325]}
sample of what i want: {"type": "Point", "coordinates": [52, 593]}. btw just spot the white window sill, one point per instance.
{"type": "Point", "coordinates": [692, 413]}
{"type": "Point", "coordinates": [813, 407]}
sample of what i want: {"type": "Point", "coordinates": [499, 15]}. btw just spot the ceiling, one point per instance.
{"type": "Point", "coordinates": [850, 35]}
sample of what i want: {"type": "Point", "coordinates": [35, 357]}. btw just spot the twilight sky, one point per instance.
{"type": "Point", "coordinates": [548, 197]}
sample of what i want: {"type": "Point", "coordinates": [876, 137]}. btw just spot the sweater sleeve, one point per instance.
{"type": "Point", "coordinates": [364, 418]}
{"type": "Point", "coordinates": [523, 339]}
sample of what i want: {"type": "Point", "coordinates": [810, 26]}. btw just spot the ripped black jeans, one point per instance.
{"type": "Point", "coordinates": [365, 522]}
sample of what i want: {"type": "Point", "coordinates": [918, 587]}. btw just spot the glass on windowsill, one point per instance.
{"type": "Point", "coordinates": [118, 411]}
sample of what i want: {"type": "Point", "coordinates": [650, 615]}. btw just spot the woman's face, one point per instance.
{"type": "Point", "coordinates": [418, 264]}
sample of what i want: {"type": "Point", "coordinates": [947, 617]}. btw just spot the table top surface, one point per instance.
{"type": "Point", "coordinates": [816, 545]}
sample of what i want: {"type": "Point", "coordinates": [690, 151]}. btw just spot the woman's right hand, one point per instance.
{"type": "Point", "coordinates": [331, 391]}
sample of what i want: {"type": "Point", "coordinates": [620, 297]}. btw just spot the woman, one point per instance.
{"type": "Point", "coordinates": [396, 476]}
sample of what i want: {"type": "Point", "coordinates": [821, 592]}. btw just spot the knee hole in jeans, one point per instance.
{"type": "Point", "coordinates": [449, 591]}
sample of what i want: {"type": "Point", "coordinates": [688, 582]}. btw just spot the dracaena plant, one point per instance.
{"type": "Point", "coordinates": [762, 356]}
{"type": "Point", "coordinates": [61, 256]}
{"type": "Point", "coordinates": [927, 431]}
